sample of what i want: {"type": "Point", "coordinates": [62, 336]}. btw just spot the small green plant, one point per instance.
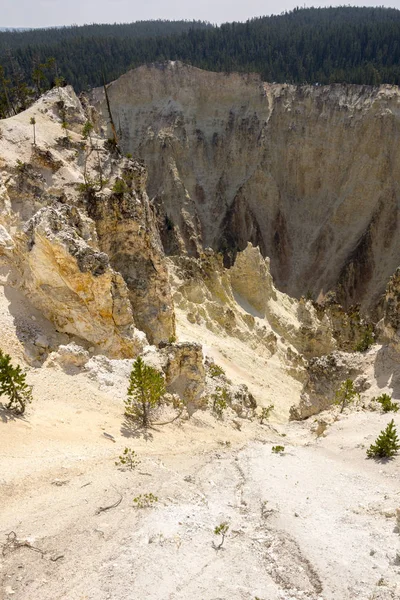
{"type": "Point", "coordinates": [366, 341]}
{"type": "Point", "coordinates": [386, 402]}
{"type": "Point", "coordinates": [278, 449]}
{"type": "Point", "coordinates": [145, 500]}
{"type": "Point", "coordinates": [87, 131]}
{"type": "Point", "coordinates": [128, 155]}
{"type": "Point", "coordinates": [221, 529]}
{"type": "Point", "coordinates": [21, 167]}
{"type": "Point", "coordinates": [128, 459]}
{"type": "Point", "coordinates": [220, 398]}
{"type": "Point", "coordinates": [215, 370]}
{"type": "Point", "coordinates": [13, 384]}
{"type": "Point", "coordinates": [33, 123]}
{"type": "Point", "coordinates": [172, 339]}
{"type": "Point", "coordinates": [145, 391]}
{"type": "Point", "coordinates": [346, 394]}
{"type": "Point", "coordinates": [120, 187]}
{"type": "Point", "coordinates": [265, 413]}
{"type": "Point", "coordinates": [386, 445]}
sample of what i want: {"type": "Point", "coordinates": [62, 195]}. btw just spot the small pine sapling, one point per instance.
{"type": "Point", "coordinates": [265, 413]}
{"type": "Point", "coordinates": [346, 394]}
{"type": "Point", "coordinates": [366, 341]}
{"type": "Point", "coordinates": [145, 392]}
{"type": "Point", "coordinates": [128, 459]}
{"type": "Point", "coordinates": [386, 402]}
{"type": "Point", "coordinates": [13, 384]}
{"type": "Point", "coordinates": [87, 131]}
{"type": "Point", "coordinates": [222, 530]}
{"type": "Point", "coordinates": [220, 398]}
{"type": "Point", "coordinates": [145, 500]}
{"type": "Point", "coordinates": [387, 443]}
{"type": "Point", "coordinates": [215, 370]}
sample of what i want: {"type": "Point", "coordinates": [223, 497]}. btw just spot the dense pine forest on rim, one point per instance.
{"type": "Point", "coordinates": [316, 45]}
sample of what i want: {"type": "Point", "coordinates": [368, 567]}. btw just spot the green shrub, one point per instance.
{"type": "Point", "coordinates": [13, 385]}
{"type": "Point", "coordinates": [346, 394]}
{"type": "Point", "coordinates": [278, 449]}
{"type": "Point", "coordinates": [386, 402]}
{"type": "Point", "coordinates": [215, 370]}
{"type": "Point", "coordinates": [265, 413]}
{"type": "Point", "coordinates": [145, 500]}
{"type": "Point", "coordinates": [128, 459]}
{"type": "Point", "coordinates": [220, 398]}
{"type": "Point", "coordinates": [387, 443]}
{"type": "Point", "coordinates": [120, 187]}
{"type": "Point", "coordinates": [145, 391]}
{"type": "Point", "coordinates": [366, 341]}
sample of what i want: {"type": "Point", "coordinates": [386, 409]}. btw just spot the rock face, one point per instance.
{"type": "Point", "coordinates": [73, 285]}
{"type": "Point", "coordinates": [76, 222]}
{"type": "Point", "coordinates": [309, 174]}
{"type": "Point", "coordinates": [184, 372]}
{"type": "Point", "coordinates": [325, 374]}
{"type": "Point", "coordinates": [127, 233]}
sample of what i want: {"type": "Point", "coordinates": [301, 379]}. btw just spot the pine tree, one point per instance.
{"type": "Point", "coordinates": [146, 388]}
{"type": "Point", "coordinates": [387, 443]}
{"type": "Point", "coordinates": [345, 394]}
{"type": "Point", "coordinates": [13, 384]}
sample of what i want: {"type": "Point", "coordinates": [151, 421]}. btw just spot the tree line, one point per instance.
{"type": "Point", "coordinates": [314, 45]}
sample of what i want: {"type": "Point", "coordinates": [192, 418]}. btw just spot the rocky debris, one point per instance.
{"type": "Point", "coordinates": [324, 376]}
{"type": "Point", "coordinates": [67, 357]}
{"type": "Point", "coordinates": [72, 283]}
{"type": "Point", "coordinates": [234, 160]}
{"type": "Point", "coordinates": [127, 234]}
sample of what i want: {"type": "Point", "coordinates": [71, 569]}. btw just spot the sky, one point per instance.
{"type": "Point", "coordinates": [47, 13]}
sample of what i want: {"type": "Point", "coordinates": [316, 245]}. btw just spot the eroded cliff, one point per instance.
{"type": "Point", "coordinates": [309, 174]}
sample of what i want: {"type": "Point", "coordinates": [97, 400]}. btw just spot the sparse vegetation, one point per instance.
{"type": "Point", "coordinates": [87, 131]}
{"type": "Point", "coordinates": [145, 391]}
{"type": "Point", "coordinates": [222, 530]}
{"type": "Point", "coordinates": [120, 187]}
{"type": "Point", "coordinates": [13, 385]}
{"type": "Point", "coordinates": [278, 449]}
{"type": "Point", "coordinates": [215, 370]}
{"type": "Point", "coordinates": [128, 459]}
{"type": "Point", "coordinates": [265, 413]}
{"type": "Point", "coordinates": [386, 402]}
{"type": "Point", "coordinates": [220, 398]}
{"type": "Point", "coordinates": [366, 341]}
{"type": "Point", "coordinates": [145, 500]}
{"type": "Point", "coordinates": [346, 394]}
{"type": "Point", "coordinates": [386, 445]}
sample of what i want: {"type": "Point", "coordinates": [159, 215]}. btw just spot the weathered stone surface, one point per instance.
{"type": "Point", "coordinates": [127, 234]}
{"type": "Point", "coordinates": [183, 365]}
{"type": "Point", "coordinates": [325, 374]}
{"type": "Point", "coordinates": [389, 325]}
{"type": "Point", "coordinates": [73, 284]}
{"type": "Point", "coordinates": [67, 357]}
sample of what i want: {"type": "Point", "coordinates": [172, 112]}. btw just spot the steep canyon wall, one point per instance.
{"type": "Point", "coordinates": [309, 174]}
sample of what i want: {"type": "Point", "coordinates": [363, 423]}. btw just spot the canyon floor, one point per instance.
{"type": "Point", "coordinates": [317, 521]}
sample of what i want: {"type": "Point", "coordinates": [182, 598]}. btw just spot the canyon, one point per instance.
{"type": "Point", "coordinates": [241, 237]}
